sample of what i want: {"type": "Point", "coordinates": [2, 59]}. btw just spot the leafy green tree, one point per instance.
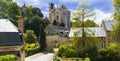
{"type": "Point", "coordinates": [3, 9]}
{"type": "Point", "coordinates": [90, 23]}
{"type": "Point", "coordinates": [37, 11]}
{"type": "Point", "coordinates": [81, 15]}
{"type": "Point", "coordinates": [84, 44]}
{"type": "Point", "coordinates": [110, 53]}
{"type": "Point", "coordinates": [30, 37]}
{"type": "Point", "coordinates": [31, 11]}
{"type": "Point", "coordinates": [28, 11]}
{"type": "Point", "coordinates": [116, 6]}
{"type": "Point", "coordinates": [87, 23]}
{"type": "Point", "coordinates": [14, 12]}
{"type": "Point", "coordinates": [116, 16]}
{"type": "Point", "coordinates": [38, 25]}
{"type": "Point", "coordinates": [9, 10]}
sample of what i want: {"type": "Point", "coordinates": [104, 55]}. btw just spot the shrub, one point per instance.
{"type": "Point", "coordinates": [30, 37]}
{"type": "Point", "coordinates": [9, 57]}
{"type": "Point", "coordinates": [66, 51]}
{"type": "Point", "coordinates": [31, 51]}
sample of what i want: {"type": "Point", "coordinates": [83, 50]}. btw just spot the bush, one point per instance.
{"type": "Point", "coordinates": [66, 51]}
{"type": "Point", "coordinates": [31, 48]}
{"type": "Point", "coordinates": [31, 51]}
{"type": "Point", "coordinates": [9, 57]}
{"type": "Point", "coordinates": [30, 37]}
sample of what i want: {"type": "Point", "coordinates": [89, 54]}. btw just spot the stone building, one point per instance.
{"type": "Point", "coordinates": [97, 32]}
{"type": "Point", "coordinates": [107, 25]}
{"type": "Point", "coordinates": [60, 15]}
{"type": "Point", "coordinates": [11, 40]}
{"type": "Point", "coordinates": [102, 33]}
{"type": "Point", "coordinates": [56, 36]}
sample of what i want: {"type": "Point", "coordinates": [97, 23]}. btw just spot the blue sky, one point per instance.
{"type": "Point", "coordinates": [103, 8]}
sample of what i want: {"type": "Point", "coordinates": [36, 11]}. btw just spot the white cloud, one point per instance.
{"type": "Point", "coordinates": [45, 13]}
{"type": "Point", "coordinates": [35, 3]}
{"type": "Point", "coordinates": [100, 15]}
{"type": "Point", "coordinates": [69, 1]}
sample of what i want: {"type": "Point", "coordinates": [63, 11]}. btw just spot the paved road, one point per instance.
{"type": "Point", "coordinates": [40, 57]}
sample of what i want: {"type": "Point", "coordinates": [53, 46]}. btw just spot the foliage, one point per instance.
{"type": "Point", "coordinates": [116, 28]}
{"type": "Point", "coordinates": [31, 11]}
{"type": "Point", "coordinates": [116, 6]}
{"type": "Point", "coordinates": [30, 37]}
{"type": "Point", "coordinates": [87, 23]}
{"type": "Point", "coordinates": [68, 50]}
{"type": "Point", "coordinates": [31, 46]}
{"type": "Point", "coordinates": [38, 25]}
{"type": "Point", "coordinates": [28, 11]}
{"type": "Point", "coordinates": [84, 46]}
{"type": "Point", "coordinates": [83, 43]}
{"type": "Point", "coordinates": [37, 12]}
{"type": "Point", "coordinates": [87, 59]}
{"type": "Point", "coordinates": [31, 51]}
{"type": "Point", "coordinates": [110, 53]}
{"type": "Point", "coordinates": [9, 10]}
{"type": "Point", "coordinates": [9, 57]}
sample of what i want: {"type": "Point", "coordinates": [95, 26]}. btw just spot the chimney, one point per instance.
{"type": "Point", "coordinates": [21, 24]}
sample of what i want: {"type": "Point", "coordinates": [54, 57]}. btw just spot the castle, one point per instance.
{"type": "Point", "coordinates": [60, 15]}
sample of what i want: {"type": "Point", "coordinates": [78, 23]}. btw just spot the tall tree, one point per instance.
{"type": "Point", "coordinates": [37, 11]}
{"type": "Point", "coordinates": [38, 25]}
{"type": "Point", "coordinates": [85, 42]}
{"type": "Point", "coordinates": [31, 11]}
{"type": "Point", "coordinates": [87, 23]}
{"type": "Point", "coordinates": [116, 16]}
{"type": "Point", "coordinates": [83, 13]}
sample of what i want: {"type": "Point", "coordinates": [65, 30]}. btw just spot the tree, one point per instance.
{"type": "Point", "coordinates": [31, 11]}
{"type": "Point", "coordinates": [116, 16]}
{"type": "Point", "coordinates": [90, 23]}
{"type": "Point", "coordinates": [37, 11]}
{"type": "Point", "coordinates": [28, 11]}
{"type": "Point", "coordinates": [30, 37]}
{"type": "Point", "coordinates": [38, 25]}
{"type": "Point", "coordinates": [85, 42]}
{"type": "Point", "coordinates": [110, 53]}
{"type": "Point", "coordinates": [87, 23]}
{"type": "Point", "coordinates": [116, 6]}
{"type": "Point", "coordinates": [9, 10]}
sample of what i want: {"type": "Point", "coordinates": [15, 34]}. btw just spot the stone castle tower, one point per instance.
{"type": "Point", "coordinates": [61, 15]}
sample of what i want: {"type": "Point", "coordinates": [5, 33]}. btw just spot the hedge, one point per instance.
{"type": "Point", "coordinates": [9, 57]}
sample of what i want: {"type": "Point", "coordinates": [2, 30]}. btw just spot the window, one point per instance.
{"type": "Point", "coordinates": [102, 44]}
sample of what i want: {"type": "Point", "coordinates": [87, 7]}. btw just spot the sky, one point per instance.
{"type": "Point", "coordinates": [103, 8]}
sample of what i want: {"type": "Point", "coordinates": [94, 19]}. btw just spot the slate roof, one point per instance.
{"type": "Point", "coordinates": [92, 31]}
{"type": "Point", "coordinates": [9, 34]}
{"type": "Point", "coordinates": [56, 28]}
{"type": "Point", "coordinates": [108, 24]}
